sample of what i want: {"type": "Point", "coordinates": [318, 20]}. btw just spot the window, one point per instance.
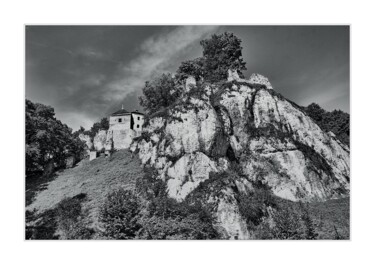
{"type": "Point", "coordinates": [138, 118]}
{"type": "Point", "coordinates": [137, 125]}
{"type": "Point", "coordinates": [119, 120]}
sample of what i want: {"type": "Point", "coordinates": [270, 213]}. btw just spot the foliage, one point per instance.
{"type": "Point", "coordinates": [63, 221]}
{"type": "Point", "coordinates": [253, 206]}
{"type": "Point", "coordinates": [103, 124]}
{"type": "Point", "coordinates": [120, 215]}
{"type": "Point", "coordinates": [335, 121]}
{"type": "Point", "coordinates": [193, 68]}
{"type": "Point", "coordinates": [221, 53]}
{"type": "Point", "coordinates": [148, 213]}
{"type": "Point", "coordinates": [48, 140]}
{"type": "Point", "coordinates": [69, 218]}
{"type": "Point", "coordinates": [41, 226]}
{"type": "Point", "coordinates": [159, 92]}
{"type": "Point", "coordinates": [308, 222]}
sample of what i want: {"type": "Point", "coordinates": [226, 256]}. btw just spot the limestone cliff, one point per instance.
{"type": "Point", "coordinates": [247, 123]}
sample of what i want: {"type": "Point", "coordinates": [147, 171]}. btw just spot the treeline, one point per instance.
{"type": "Point", "coordinates": [335, 121]}
{"type": "Point", "coordinates": [49, 142]}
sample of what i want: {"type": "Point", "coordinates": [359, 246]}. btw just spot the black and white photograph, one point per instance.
{"type": "Point", "coordinates": [187, 132]}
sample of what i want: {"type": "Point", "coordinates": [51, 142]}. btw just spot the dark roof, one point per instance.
{"type": "Point", "coordinates": [137, 112]}
{"type": "Point", "coordinates": [123, 112]}
{"type": "Point", "coordinates": [120, 112]}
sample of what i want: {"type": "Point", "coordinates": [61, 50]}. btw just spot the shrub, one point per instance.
{"type": "Point", "coordinates": [120, 215]}
{"type": "Point", "coordinates": [253, 207]}
{"type": "Point", "coordinates": [69, 218]}
{"type": "Point", "coordinates": [286, 224]}
{"type": "Point", "coordinates": [159, 92]}
{"type": "Point", "coordinates": [66, 218]}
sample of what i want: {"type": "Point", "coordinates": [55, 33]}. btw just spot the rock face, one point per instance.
{"type": "Point", "coordinates": [87, 140]}
{"type": "Point", "coordinates": [242, 122]}
{"type": "Point", "coordinates": [100, 140]}
{"type": "Point", "coordinates": [261, 80]}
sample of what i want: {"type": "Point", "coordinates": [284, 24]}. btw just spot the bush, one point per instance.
{"type": "Point", "coordinates": [286, 225]}
{"type": "Point", "coordinates": [66, 218]}
{"type": "Point", "coordinates": [120, 215]}
{"type": "Point", "coordinates": [253, 207]}
{"type": "Point", "coordinates": [159, 92]}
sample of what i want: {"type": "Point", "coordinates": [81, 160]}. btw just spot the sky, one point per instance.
{"type": "Point", "coordinates": [87, 72]}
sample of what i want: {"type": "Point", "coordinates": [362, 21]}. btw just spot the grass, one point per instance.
{"type": "Point", "coordinates": [332, 218]}
{"type": "Point", "coordinates": [94, 178]}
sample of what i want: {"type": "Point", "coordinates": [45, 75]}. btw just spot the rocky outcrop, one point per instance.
{"type": "Point", "coordinates": [245, 123]}
{"type": "Point", "coordinates": [260, 80]}
{"type": "Point", "coordinates": [100, 140]}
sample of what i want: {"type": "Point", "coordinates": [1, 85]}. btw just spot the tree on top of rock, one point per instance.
{"type": "Point", "coordinates": [158, 93]}
{"type": "Point", "coordinates": [222, 52]}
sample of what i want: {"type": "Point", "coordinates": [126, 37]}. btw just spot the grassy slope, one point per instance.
{"type": "Point", "coordinates": [94, 178]}
{"type": "Point", "coordinates": [330, 215]}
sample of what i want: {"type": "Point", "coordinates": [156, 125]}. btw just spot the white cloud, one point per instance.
{"type": "Point", "coordinates": [156, 54]}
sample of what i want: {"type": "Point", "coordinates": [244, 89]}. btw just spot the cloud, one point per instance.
{"type": "Point", "coordinates": [97, 94]}
{"type": "Point", "coordinates": [156, 55]}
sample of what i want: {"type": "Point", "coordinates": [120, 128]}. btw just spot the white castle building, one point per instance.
{"type": "Point", "coordinates": [123, 127]}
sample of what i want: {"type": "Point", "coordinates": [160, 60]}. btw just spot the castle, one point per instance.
{"type": "Point", "coordinates": [123, 127]}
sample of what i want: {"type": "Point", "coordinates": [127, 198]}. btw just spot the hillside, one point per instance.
{"type": "Point", "coordinates": [94, 179]}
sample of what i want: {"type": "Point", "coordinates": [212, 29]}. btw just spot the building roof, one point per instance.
{"type": "Point", "coordinates": [137, 112]}
{"type": "Point", "coordinates": [123, 112]}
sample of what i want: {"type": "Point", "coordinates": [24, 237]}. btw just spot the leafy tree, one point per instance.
{"type": "Point", "coordinates": [97, 126]}
{"type": "Point", "coordinates": [48, 140]}
{"type": "Point", "coordinates": [335, 121]}
{"type": "Point", "coordinates": [159, 92]}
{"type": "Point", "coordinates": [193, 68]}
{"type": "Point", "coordinates": [220, 53]}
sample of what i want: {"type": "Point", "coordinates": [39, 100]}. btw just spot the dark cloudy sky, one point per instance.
{"type": "Point", "coordinates": [87, 72]}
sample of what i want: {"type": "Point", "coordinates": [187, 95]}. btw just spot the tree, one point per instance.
{"type": "Point", "coordinates": [193, 68]}
{"type": "Point", "coordinates": [335, 121]}
{"type": "Point", "coordinates": [97, 126]}
{"type": "Point", "coordinates": [159, 92]}
{"type": "Point", "coordinates": [221, 53]}
{"type": "Point", "coordinates": [48, 140]}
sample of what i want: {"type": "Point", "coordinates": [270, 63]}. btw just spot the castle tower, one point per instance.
{"type": "Point", "coordinates": [124, 126]}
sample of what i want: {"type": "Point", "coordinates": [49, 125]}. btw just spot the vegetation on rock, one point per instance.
{"type": "Point", "coordinates": [335, 121]}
